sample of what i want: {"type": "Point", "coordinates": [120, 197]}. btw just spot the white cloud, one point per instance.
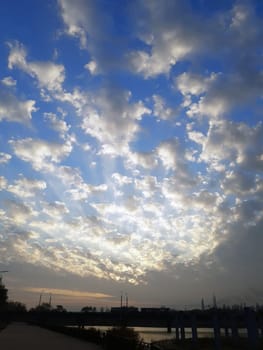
{"type": "Point", "coordinates": [83, 190]}
{"type": "Point", "coordinates": [231, 142]}
{"type": "Point", "coordinates": [169, 36]}
{"type": "Point", "coordinates": [92, 67]}
{"type": "Point", "coordinates": [219, 93]}
{"type": "Point", "coordinates": [113, 120]}
{"type": "Point", "coordinates": [27, 188]}
{"type": "Point", "coordinates": [194, 84]}
{"type": "Point", "coordinates": [69, 175]}
{"type": "Point", "coordinates": [145, 160]}
{"type": "Point", "coordinates": [14, 110]}
{"type": "Point", "coordinates": [120, 179]}
{"type": "Point", "coordinates": [147, 186]}
{"type": "Point", "coordinates": [9, 81]}
{"type": "Point", "coordinates": [95, 28]}
{"type": "Point", "coordinates": [4, 158]}
{"type": "Point", "coordinates": [189, 85]}
{"type": "Point", "coordinates": [17, 56]}
{"type": "Point", "coordinates": [57, 124]}
{"type": "Point", "coordinates": [77, 18]}
{"type": "Point", "coordinates": [19, 213]}
{"type": "Point", "coordinates": [40, 153]}
{"type": "Point", "coordinates": [3, 183]}
{"type": "Point", "coordinates": [160, 110]}
{"type": "Point", "coordinates": [48, 74]}
{"type": "Point", "coordinates": [55, 209]}
{"type": "Point", "coordinates": [172, 155]}
{"type": "Point", "coordinates": [241, 183]}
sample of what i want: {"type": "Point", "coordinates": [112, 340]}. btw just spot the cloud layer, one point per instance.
{"type": "Point", "coordinates": [142, 166]}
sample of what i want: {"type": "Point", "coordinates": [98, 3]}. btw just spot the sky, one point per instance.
{"type": "Point", "coordinates": [131, 151]}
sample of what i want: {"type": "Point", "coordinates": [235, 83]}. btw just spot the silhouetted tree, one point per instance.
{"type": "Point", "coordinates": [60, 308]}
{"type": "Point", "coordinates": [44, 307]}
{"type": "Point", "coordinates": [88, 309]}
{"type": "Point", "coordinates": [3, 295]}
{"type": "Point", "coordinates": [16, 306]}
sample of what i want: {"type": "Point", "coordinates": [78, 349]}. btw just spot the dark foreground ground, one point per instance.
{"type": "Point", "coordinates": [209, 344]}
{"type": "Point", "coordinates": [20, 336]}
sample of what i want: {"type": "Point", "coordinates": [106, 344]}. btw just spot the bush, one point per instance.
{"type": "Point", "coordinates": [119, 338]}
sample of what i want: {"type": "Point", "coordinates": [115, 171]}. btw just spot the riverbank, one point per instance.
{"type": "Point", "coordinates": [208, 344]}
{"type": "Point", "coordinates": [122, 342]}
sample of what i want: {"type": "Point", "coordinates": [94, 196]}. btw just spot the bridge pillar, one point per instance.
{"type": "Point", "coordinates": [169, 328]}
{"type": "Point", "coordinates": [182, 332]}
{"type": "Point", "coordinates": [194, 329]}
{"type": "Point", "coordinates": [252, 329]}
{"type": "Point", "coordinates": [177, 334]}
{"type": "Point", "coordinates": [226, 332]}
{"type": "Point", "coordinates": [234, 329]}
{"type": "Point", "coordinates": [216, 332]}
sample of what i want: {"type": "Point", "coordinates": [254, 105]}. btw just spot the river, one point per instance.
{"type": "Point", "coordinates": [149, 334]}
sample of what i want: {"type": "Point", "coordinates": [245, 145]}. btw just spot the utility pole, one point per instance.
{"type": "Point", "coordinates": [202, 304]}
{"type": "Point", "coordinates": [40, 298]}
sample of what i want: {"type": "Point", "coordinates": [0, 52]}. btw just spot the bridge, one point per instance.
{"type": "Point", "coordinates": [219, 319]}
{"type": "Point", "coordinates": [229, 322]}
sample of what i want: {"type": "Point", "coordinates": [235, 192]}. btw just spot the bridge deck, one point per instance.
{"type": "Point", "coordinates": [19, 336]}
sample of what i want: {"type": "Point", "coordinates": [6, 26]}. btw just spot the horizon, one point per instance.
{"type": "Point", "coordinates": [131, 151]}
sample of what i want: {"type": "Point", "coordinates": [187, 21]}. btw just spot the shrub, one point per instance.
{"type": "Point", "coordinates": [119, 338]}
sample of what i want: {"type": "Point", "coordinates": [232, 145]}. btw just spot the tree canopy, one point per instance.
{"type": "Point", "coordinates": [3, 295]}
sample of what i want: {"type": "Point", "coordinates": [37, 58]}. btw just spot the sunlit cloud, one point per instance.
{"type": "Point", "coordinates": [68, 293]}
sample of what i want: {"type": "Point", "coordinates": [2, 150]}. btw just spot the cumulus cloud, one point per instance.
{"type": "Point", "coordinates": [3, 183]}
{"type": "Point", "coordinates": [57, 124]}
{"type": "Point", "coordinates": [113, 120]}
{"type": "Point", "coordinates": [19, 212]}
{"type": "Point", "coordinates": [96, 29]}
{"type": "Point", "coordinates": [169, 37]}
{"type": "Point", "coordinates": [54, 209]}
{"type": "Point", "coordinates": [26, 188]}
{"type": "Point", "coordinates": [40, 154]}
{"type": "Point", "coordinates": [83, 191]}
{"type": "Point", "coordinates": [160, 110]}
{"type": "Point", "coordinates": [225, 92]}
{"type": "Point", "coordinates": [92, 67]}
{"type": "Point", "coordinates": [48, 74]}
{"type": "Point", "coordinates": [233, 143]}
{"type": "Point", "coordinates": [173, 157]}
{"type": "Point", "coordinates": [9, 81]}
{"type": "Point", "coordinates": [76, 20]}
{"type": "Point", "coordinates": [145, 160]}
{"type": "Point", "coordinates": [4, 157]}
{"type": "Point", "coordinates": [174, 31]}
{"type": "Point", "coordinates": [14, 110]}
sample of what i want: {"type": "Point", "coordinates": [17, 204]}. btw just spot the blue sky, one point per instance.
{"type": "Point", "coordinates": [131, 151]}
